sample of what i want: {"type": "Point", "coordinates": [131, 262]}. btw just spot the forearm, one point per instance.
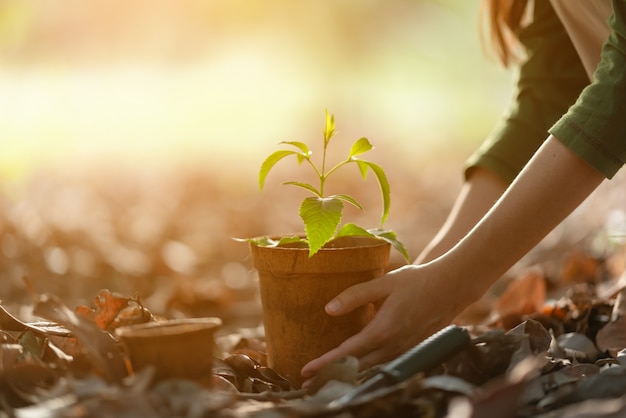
{"type": "Point", "coordinates": [481, 190]}
{"type": "Point", "coordinates": [554, 182]}
{"type": "Point", "coordinates": [552, 185]}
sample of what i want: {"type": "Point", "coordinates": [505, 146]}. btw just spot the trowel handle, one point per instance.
{"type": "Point", "coordinates": [428, 354]}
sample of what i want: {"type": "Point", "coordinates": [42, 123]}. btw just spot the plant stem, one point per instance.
{"type": "Point", "coordinates": [317, 171]}
{"type": "Point", "coordinates": [323, 176]}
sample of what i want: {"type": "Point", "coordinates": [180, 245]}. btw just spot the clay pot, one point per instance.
{"type": "Point", "coordinates": [295, 288]}
{"type": "Point", "coordinates": [180, 348]}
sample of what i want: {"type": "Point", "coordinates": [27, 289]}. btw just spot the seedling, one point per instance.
{"type": "Point", "coordinates": [321, 213]}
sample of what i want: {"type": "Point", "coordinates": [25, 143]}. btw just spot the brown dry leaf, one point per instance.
{"type": "Point", "coordinates": [248, 375]}
{"type": "Point", "coordinates": [501, 396]}
{"type": "Point", "coordinates": [26, 380]}
{"type": "Point", "coordinates": [593, 408]}
{"type": "Point", "coordinates": [10, 323]}
{"type": "Point", "coordinates": [270, 376]}
{"type": "Point", "coordinates": [9, 355]}
{"type": "Point", "coordinates": [108, 306]}
{"type": "Point", "coordinates": [501, 401]}
{"type": "Point", "coordinates": [524, 295]}
{"type": "Point", "coordinates": [185, 398]}
{"type": "Point", "coordinates": [539, 337]}
{"type": "Point", "coordinates": [610, 383]}
{"type": "Point", "coordinates": [579, 267]}
{"type": "Point", "coordinates": [489, 356]}
{"type": "Point", "coordinates": [581, 370]}
{"type": "Point", "coordinates": [100, 345]}
{"type": "Point", "coordinates": [577, 346]}
{"type": "Point", "coordinates": [69, 345]}
{"type": "Point", "coordinates": [612, 337]}
{"type": "Point", "coordinates": [253, 348]}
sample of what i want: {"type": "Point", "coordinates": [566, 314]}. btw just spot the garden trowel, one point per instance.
{"type": "Point", "coordinates": [426, 355]}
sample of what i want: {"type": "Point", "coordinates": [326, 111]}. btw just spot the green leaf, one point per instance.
{"type": "Point", "coordinates": [363, 167]}
{"type": "Point", "coordinates": [351, 230]}
{"type": "Point", "coordinates": [305, 186]}
{"type": "Point", "coordinates": [300, 145]}
{"type": "Point", "coordinates": [361, 146]}
{"type": "Point", "coordinates": [271, 162]}
{"type": "Point", "coordinates": [349, 199]}
{"type": "Point", "coordinates": [392, 239]}
{"type": "Point", "coordinates": [306, 152]}
{"type": "Point", "coordinates": [329, 127]}
{"type": "Point", "coordinates": [266, 241]}
{"type": "Point", "coordinates": [382, 182]}
{"type": "Point", "coordinates": [321, 218]}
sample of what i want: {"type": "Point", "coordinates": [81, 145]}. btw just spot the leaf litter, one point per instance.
{"type": "Point", "coordinates": [534, 369]}
{"type": "Point", "coordinates": [551, 342]}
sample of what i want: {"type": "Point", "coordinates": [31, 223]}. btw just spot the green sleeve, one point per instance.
{"type": "Point", "coordinates": [548, 82]}
{"type": "Point", "coordinates": [595, 126]}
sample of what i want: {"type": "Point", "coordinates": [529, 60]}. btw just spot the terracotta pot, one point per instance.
{"type": "Point", "coordinates": [180, 348]}
{"type": "Point", "coordinates": [295, 288]}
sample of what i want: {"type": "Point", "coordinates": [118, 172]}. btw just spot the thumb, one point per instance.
{"type": "Point", "coordinates": [359, 295]}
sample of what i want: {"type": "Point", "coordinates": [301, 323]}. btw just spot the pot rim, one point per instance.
{"type": "Point", "coordinates": [337, 244]}
{"type": "Point", "coordinates": [168, 327]}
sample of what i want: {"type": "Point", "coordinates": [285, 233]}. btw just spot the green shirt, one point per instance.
{"type": "Point", "coordinates": [594, 128]}
{"type": "Point", "coordinates": [549, 81]}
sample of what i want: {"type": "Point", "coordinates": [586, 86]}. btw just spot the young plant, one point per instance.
{"type": "Point", "coordinates": [320, 213]}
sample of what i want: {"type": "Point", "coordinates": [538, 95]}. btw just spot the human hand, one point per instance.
{"type": "Point", "coordinates": [414, 304]}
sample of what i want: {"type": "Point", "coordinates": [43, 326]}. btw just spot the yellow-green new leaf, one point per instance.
{"type": "Point", "coordinates": [329, 127]}
{"type": "Point", "coordinates": [271, 162]}
{"type": "Point", "coordinates": [392, 239]}
{"type": "Point", "coordinates": [361, 146]}
{"type": "Point", "coordinates": [382, 182]}
{"type": "Point", "coordinates": [300, 145]}
{"type": "Point", "coordinates": [349, 199]}
{"type": "Point", "coordinates": [304, 186]}
{"type": "Point", "coordinates": [265, 241]}
{"type": "Point", "coordinates": [350, 230]}
{"type": "Point", "coordinates": [306, 152]}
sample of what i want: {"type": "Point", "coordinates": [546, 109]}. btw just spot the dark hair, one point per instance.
{"type": "Point", "coordinates": [503, 20]}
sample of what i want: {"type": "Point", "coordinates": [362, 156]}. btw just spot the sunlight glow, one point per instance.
{"type": "Point", "coordinates": [225, 81]}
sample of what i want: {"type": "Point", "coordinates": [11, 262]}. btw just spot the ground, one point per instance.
{"type": "Point", "coordinates": [160, 242]}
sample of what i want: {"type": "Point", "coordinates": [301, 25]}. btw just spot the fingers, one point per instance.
{"type": "Point", "coordinates": [400, 322]}
{"type": "Point", "coordinates": [354, 346]}
{"type": "Point", "coordinates": [365, 346]}
{"type": "Point", "coordinates": [358, 295]}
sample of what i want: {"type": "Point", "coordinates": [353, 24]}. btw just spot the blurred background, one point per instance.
{"type": "Point", "coordinates": [151, 82]}
{"type": "Point", "coordinates": [131, 134]}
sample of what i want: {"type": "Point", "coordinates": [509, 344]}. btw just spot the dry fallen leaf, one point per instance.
{"type": "Point", "coordinates": [341, 370]}
{"type": "Point", "coordinates": [102, 349]}
{"type": "Point", "coordinates": [113, 311]}
{"type": "Point", "coordinates": [116, 237]}
{"type": "Point", "coordinates": [524, 295]}
{"type": "Point", "coordinates": [612, 337]}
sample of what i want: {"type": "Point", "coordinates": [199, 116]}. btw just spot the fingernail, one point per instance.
{"type": "Point", "coordinates": [333, 306]}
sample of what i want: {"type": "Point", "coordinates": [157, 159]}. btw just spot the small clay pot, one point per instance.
{"type": "Point", "coordinates": [179, 348]}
